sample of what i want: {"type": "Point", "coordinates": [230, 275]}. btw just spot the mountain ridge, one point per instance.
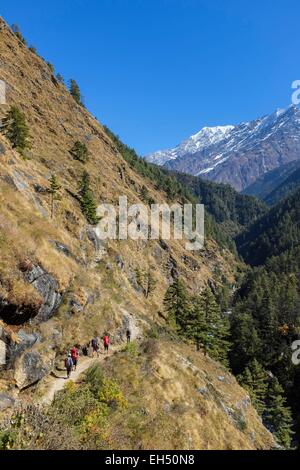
{"type": "Point", "coordinates": [242, 154]}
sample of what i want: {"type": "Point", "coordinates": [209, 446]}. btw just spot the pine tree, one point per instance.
{"type": "Point", "coordinates": [278, 416]}
{"type": "Point", "coordinates": [15, 28]}
{"type": "Point", "coordinates": [268, 327]}
{"type": "Point", "coordinates": [33, 50]}
{"type": "Point", "coordinates": [144, 193]}
{"type": "Point", "coordinates": [246, 343]}
{"type": "Point", "coordinates": [15, 128]}
{"type": "Point", "coordinates": [206, 326]}
{"type": "Point", "coordinates": [55, 188]}
{"type": "Point", "coordinates": [223, 343]}
{"type": "Point", "coordinates": [80, 152]}
{"type": "Point", "coordinates": [176, 304]}
{"type": "Point", "coordinates": [51, 67]}
{"type": "Point", "coordinates": [60, 78]}
{"type": "Point", "coordinates": [88, 205]}
{"type": "Point", "coordinates": [75, 91]}
{"type": "Point", "coordinates": [255, 380]}
{"type": "Point", "coordinates": [196, 326]}
{"type": "Point", "coordinates": [150, 283]}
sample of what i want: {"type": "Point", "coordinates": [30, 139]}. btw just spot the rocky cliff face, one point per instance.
{"type": "Point", "coordinates": [59, 284]}
{"type": "Point", "coordinates": [240, 154]}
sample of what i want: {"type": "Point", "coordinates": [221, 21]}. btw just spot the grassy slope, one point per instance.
{"type": "Point", "coordinates": [27, 233]}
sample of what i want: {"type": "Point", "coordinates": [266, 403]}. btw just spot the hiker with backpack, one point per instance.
{"type": "Point", "coordinates": [128, 335]}
{"type": "Point", "coordinates": [69, 365]}
{"type": "Point", "coordinates": [95, 346]}
{"type": "Point", "coordinates": [106, 342]}
{"type": "Point", "coordinates": [74, 355]}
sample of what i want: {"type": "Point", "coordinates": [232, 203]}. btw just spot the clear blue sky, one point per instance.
{"type": "Point", "coordinates": [156, 71]}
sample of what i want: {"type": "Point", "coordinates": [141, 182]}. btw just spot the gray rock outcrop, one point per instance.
{"type": "Point", "coordinates": [48, 287]}
{"type": "Point", "coordinates": [31, 367]}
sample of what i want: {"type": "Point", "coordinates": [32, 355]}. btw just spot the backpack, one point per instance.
{"type": "Point", "coordinates": [74, 353]}
{"type": "Point", "coordinates": [69, 362]}
{"type": "Point", "coordinates": [94, 343]}
{"type": "Point", "coordinates": [106, 340]}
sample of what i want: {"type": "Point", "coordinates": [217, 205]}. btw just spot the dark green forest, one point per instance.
{"type": "Point", "coordinates": [232, 210]}
{"type": "Point", "coordinates": [266, 314]}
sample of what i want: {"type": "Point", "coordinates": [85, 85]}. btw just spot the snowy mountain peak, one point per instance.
{"type": "Point", "coordinates": [212, 134]}
{"type": "Point", "coordinates": [237, 154]}
{"type": "Point", "coordinates": [206, 137]}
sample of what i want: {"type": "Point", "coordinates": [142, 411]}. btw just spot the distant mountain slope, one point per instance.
{"type": "Point", "coordinates": [271, 180]}
{"type": "Point", "coordinates": [232, 210]}
{"type": "Point", "coordinates": [237, 155]}
{"type": "Point", "coordinates": [291, 184]}
{"type": "Point", "coordinates": [277, 232]}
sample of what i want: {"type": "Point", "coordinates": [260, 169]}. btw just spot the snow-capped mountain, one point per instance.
{"type": "Point", "coordinates": [204, 138]}
{"type": "Point", "coordinates": [240, 154]}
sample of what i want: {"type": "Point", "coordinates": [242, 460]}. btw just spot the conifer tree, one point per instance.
{"type": "Point", "coordinates": [51, 67]}
{"type": "Point", "coordinates": [196, 326]}
{"type": "Point", "coordinates": [144, 193]}
{"type": "Point", "coordinates": [150, 283]}
{"type": "Point", "coordinates": [206, 326]}
{"type": "Point", "coordinates": [254, 380]}
{"type": "Point", "coordinates": [176, 304]}
{"type": "Point", "coordinates": [87, 202]}
{"type": "Point", "coordinates": [55, 188]}
{"type": "Point", "coordinates": [15, 128]}
{"type": "Point", "coordinates": [269, 327]}
{"type": "Point", "coordinates": [246, 342]}
{"type": "Point", "coordinates": [80, 152]}
{"type": "Point", "coordinates": [60, 78]}
{"type": "Point", "coordinates": [75, 91]}
{"type": "Point", "coordinates": [223, 345]}
{"type": "Point", "coordinates": [16, 30]}
{"type": "Point", "coordinates": [278, 416]}
{"type": "Point", "coordinates": [33, 50]}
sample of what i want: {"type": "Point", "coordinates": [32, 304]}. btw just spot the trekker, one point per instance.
{"type": "Point", "coordinates": [128, 335]}
{"type": "Point", "coordinates": [106, 343]}
{"type": "Point", "coordinates": [95, 346]}
{"type": "Point", "coordinates": [69, 365]}
{"type": "Point", "coordinates": [75, 355]}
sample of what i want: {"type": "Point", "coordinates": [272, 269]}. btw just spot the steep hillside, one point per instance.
{"type": "Point", "coordinates": [60, 284]}
{"type": "Point", "coordinates": [157, 395]}
{"type": "Point", "coordinates": [237, 155]}
{"type": "Point", "coordinates": [278, 231]}
{"type": "Point", "coordinates": [268, 183]}
{"type": "Point", "coordinates": [289, 185]}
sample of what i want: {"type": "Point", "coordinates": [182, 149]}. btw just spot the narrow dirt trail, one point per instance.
{"type": "Point", "coordinates": [56, 382]}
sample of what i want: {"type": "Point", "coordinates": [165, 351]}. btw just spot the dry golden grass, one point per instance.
{"type": "Point", "coordinates": [182, 417]}
{"type": "Point", "coordinates": [27, 234]}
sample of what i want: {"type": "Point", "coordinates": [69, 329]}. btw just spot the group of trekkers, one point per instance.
{"type": "Point", "coordinates": [71, 360]}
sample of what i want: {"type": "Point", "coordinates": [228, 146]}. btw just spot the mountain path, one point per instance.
{"type": "Point", "coordinates": [56, 382]}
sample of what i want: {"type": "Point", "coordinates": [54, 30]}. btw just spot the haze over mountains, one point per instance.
{"type": "Point", "coordinates": [237, 155]}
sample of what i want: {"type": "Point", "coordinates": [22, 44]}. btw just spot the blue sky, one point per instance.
{"type": "Point", "coordinates": [157, 71]}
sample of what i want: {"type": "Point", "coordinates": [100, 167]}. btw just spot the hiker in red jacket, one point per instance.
{"type": "Point", "coordinates": [74, 355]}
{"type": "Point", "coordinates": [106, 343]}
